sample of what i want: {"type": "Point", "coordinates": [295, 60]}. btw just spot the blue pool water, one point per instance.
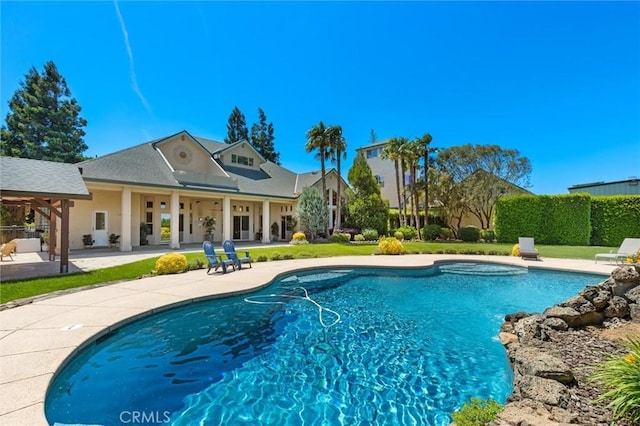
{"type": "Point", "coordinates": [328, 347]}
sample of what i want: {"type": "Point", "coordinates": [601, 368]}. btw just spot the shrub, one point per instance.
{"type": "Point", "coordinates": [487, 235]}
{"type": "Point", "coordinates": [340, 237]}
{"type": "Point", "coordinates": [515, 251]}
{"type": "Point", "coordinates": [469, 234]}
{"type": "Point", "coordinates": [195, 265]}
{"type": "Point", "coordinates": [634, 258]}
{"type": "Point", "coordinates": [370, 234]}
{"type": "Point", "coordinates": [299, 236]}
{"type": "Point", "coordinates": [276, 256]}
{"type": "Point", "coordinates": [287, 256]}
{"type": "Point", "coordinates": [390, 246]}
{"type": "Point", "coordinates": [477, 412]}
{"type": "Point", "coordinates": [492, 252]}
{"type": "Point", "coordinates": [262, 258]}
{"type": "Point", "coordinates": [620, 375]}
{"type": "Point", "coordinates": [427, 251]}
{"type": "Point", "coordinates": [409, 232]}
{"type": "Point", "coordinates": [171, 263]}
{"type": "Point", "coordinates": [304, 255]}
{"type": "Point", "coordinates": [445, 233]}
{"type": "Point", "coordinates": [358, 237]}
{"type": "Point", "coordinates": [398, 235]}
{"type": "Point", "coordinates": [431, 232]}
{"type": "Point", "coordinates": [451, 251]}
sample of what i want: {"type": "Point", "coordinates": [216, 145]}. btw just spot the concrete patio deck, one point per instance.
{"type": "Point", "coordinates": [37, 338]}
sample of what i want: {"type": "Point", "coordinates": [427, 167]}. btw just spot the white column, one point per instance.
{"type": "Point", "coordinates": [226, 218]}
{"type": "Point", "coordinates": [266, 218]}
{"type": "Point", "coordinates": [125, 220]}
{"type": "Point", "coordinates": [175, 221]}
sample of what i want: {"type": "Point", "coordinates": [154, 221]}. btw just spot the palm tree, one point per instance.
{"type": "Point", "coordinates": [337, 151]}
{"type": "Point", "coordinates": [391, 151]}
{"type": "Point", "coordinates": [317, 139]}
{"type": "Point", "coordinates": [423, 148]}
{"type": "Point", "coordinates": [411, 155]}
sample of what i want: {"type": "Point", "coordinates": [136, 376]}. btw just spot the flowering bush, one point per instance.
{"type": "Point", "coordinates": [515, 251]}
{"type": "Point", "coordinates": [171, 263]}
{"type": "Point", "coordinates": [634, 258]}
{"type": "Point", "coordinates": [299, 236]}
{"type": "Point", "coordinates": [620, 375]}
{"type": "Point", "coordinates": [390, 246]}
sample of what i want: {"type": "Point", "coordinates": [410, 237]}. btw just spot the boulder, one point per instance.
{"type": "Point", "coordinates": [602, 299]}
{"type": "Point", "coordinates": [633, 295]}
{"type": "Point", "coordinates": [555, 324]}
{"type": "Point", "coordinates": [532, 361]}
{"type": "Point", "coordinates": [531, 413]}
{"type": "Point", "coordinates": [617, 308]}
{"type": "Point", "coordinates": [507, 338]}
{"type": "Point", "coordinates": [573, 317]}
{"type": "Point", "coordinates": [625, 274]}
{"type": "Point", "coordinates": [589, 292]}
{"type": "Point", "coordinates": [634, 312]}
{"type": "Point", "coordinates": [547, 391]}
{"type": "Point", "coordinates": [530, 328]}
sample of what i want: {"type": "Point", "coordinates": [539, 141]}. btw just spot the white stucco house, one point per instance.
{"type": "Point", "coordinates": [169, 186]}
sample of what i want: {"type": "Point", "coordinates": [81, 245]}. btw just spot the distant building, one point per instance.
{"type": "Point", "coordinates": [383, 170]}
{"type": "Point", "coordinates": [630, 186]}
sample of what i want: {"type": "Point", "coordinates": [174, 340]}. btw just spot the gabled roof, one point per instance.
{"type": "Point", "coordinates": [144, 165]}
{"type": "Point", "coordinates": [22, 177]}
{"type": "Point", "coordinates": [374, 145]}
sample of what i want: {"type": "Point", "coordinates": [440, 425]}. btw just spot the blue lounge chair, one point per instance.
{"type": "Point", "coordinates": [230, 250]}
{"type": "Point", "coordinates": [215, 260]}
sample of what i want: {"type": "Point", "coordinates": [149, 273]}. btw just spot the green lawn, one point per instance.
{"type": "Point", "coordinates": [28, 288]}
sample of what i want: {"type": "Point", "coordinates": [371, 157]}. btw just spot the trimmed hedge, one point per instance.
{"type": "Point", "coordinates": [550, 219]}
{"type": "Point", "coordinates": [614, 218]}
{"type": "Point", "coordinates": [469, 234]}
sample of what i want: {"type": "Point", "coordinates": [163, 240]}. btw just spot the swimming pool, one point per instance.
{"type": "Point", "coordinates": [332, 346]}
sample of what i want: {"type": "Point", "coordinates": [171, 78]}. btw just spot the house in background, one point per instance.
{"type": "Point", "coordinates": [383, 170]}
{"type": "Point", "coordinates": [630, 186]}
{"type": "Point", "coordinates": [168, 187]}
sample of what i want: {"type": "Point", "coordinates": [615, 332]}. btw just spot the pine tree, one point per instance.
{"type": "Point", "coordinates": [262, 138]}
{"type": "Point", "coordinates": [236, 127]}
{"type": "Point", "coordinates": [44, 121]}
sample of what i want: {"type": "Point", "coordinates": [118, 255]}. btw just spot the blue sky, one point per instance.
{"type": "Point", "coordinates": [558, 81]}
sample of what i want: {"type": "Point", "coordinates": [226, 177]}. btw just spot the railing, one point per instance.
{"type": "Point", "coordinates": [8, 233]}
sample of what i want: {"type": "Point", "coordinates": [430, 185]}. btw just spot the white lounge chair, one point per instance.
{"type": "Point", "coordinates": [527, 251]}
{"type": "Point", "coordinates": [628, 247]}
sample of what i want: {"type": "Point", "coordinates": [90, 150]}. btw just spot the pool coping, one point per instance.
{"type": "Point", "coordinates": [37, 339]}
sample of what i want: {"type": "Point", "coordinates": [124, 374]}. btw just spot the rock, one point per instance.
{"type": "Point", "coordinates": [535, 362]}
{"type": "Point", "coordinates": [625, 274]}
{"type": "Point", "coordinates": [530, 328]}
{"type": "Point", "coordinates": [602, 299]}
{"type": "Point", "coordinates": [516, 316]}
{"type": "Point", "coordinates": [555, 324]}
{"type": "Point", "coordinates": [634, 312]}
{"type": "Point", "coordinates": [633, 295]}
{"type": "Point", "coordinates": [617, 308]}
{"type": "Point", "coordinates": [547, 391]}
{"type": "Point", "coordinates": [574, 318]}
{"type": "Point", "coordinates": [507, 338]}
{"type": "Point", "coordinates": [590, 292]}
{"type": "Point", "coordinates": [523, 413]}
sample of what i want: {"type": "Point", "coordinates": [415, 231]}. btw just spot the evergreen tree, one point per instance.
{"type": "Point", "coordinates": [44, 121]}
{"type": "Point", "coordinates": [262, 138]}
{"type": "Point", "coordinates": [361, 178]}
{"type": "Point", "coordinates": [312, 211]}
{"type": "Point", "coordinates": [366, 208]}
{"type": "Point", "coordinates": [236, 127]}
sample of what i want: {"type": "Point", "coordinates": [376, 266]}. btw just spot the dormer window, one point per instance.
{"type": "Point", "coordinates": [241, 159]}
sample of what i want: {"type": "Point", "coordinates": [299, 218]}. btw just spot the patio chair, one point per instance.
{"type": "Point", "coordinates": [215, 260]}
{"type": "Point", "coordinates": [230, 250]}
{"type": "Point", "coordinates": [527, 249]}
{"type": "Point", "coordinates": [8, 248]}
{"type": "Point", "coordinates": [628, 247]}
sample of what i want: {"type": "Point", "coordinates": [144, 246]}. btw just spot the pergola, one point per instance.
{"type": "Point", "coordinates": [44, 184]}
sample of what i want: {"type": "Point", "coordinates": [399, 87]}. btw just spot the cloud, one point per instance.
{"type": "Point", "coordinates": [132, 69]}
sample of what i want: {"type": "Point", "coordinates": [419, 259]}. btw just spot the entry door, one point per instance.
{"type": "Point", "coordinates": [100, 231]}
{"type": "Point", "coordinates": [241, 227]}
